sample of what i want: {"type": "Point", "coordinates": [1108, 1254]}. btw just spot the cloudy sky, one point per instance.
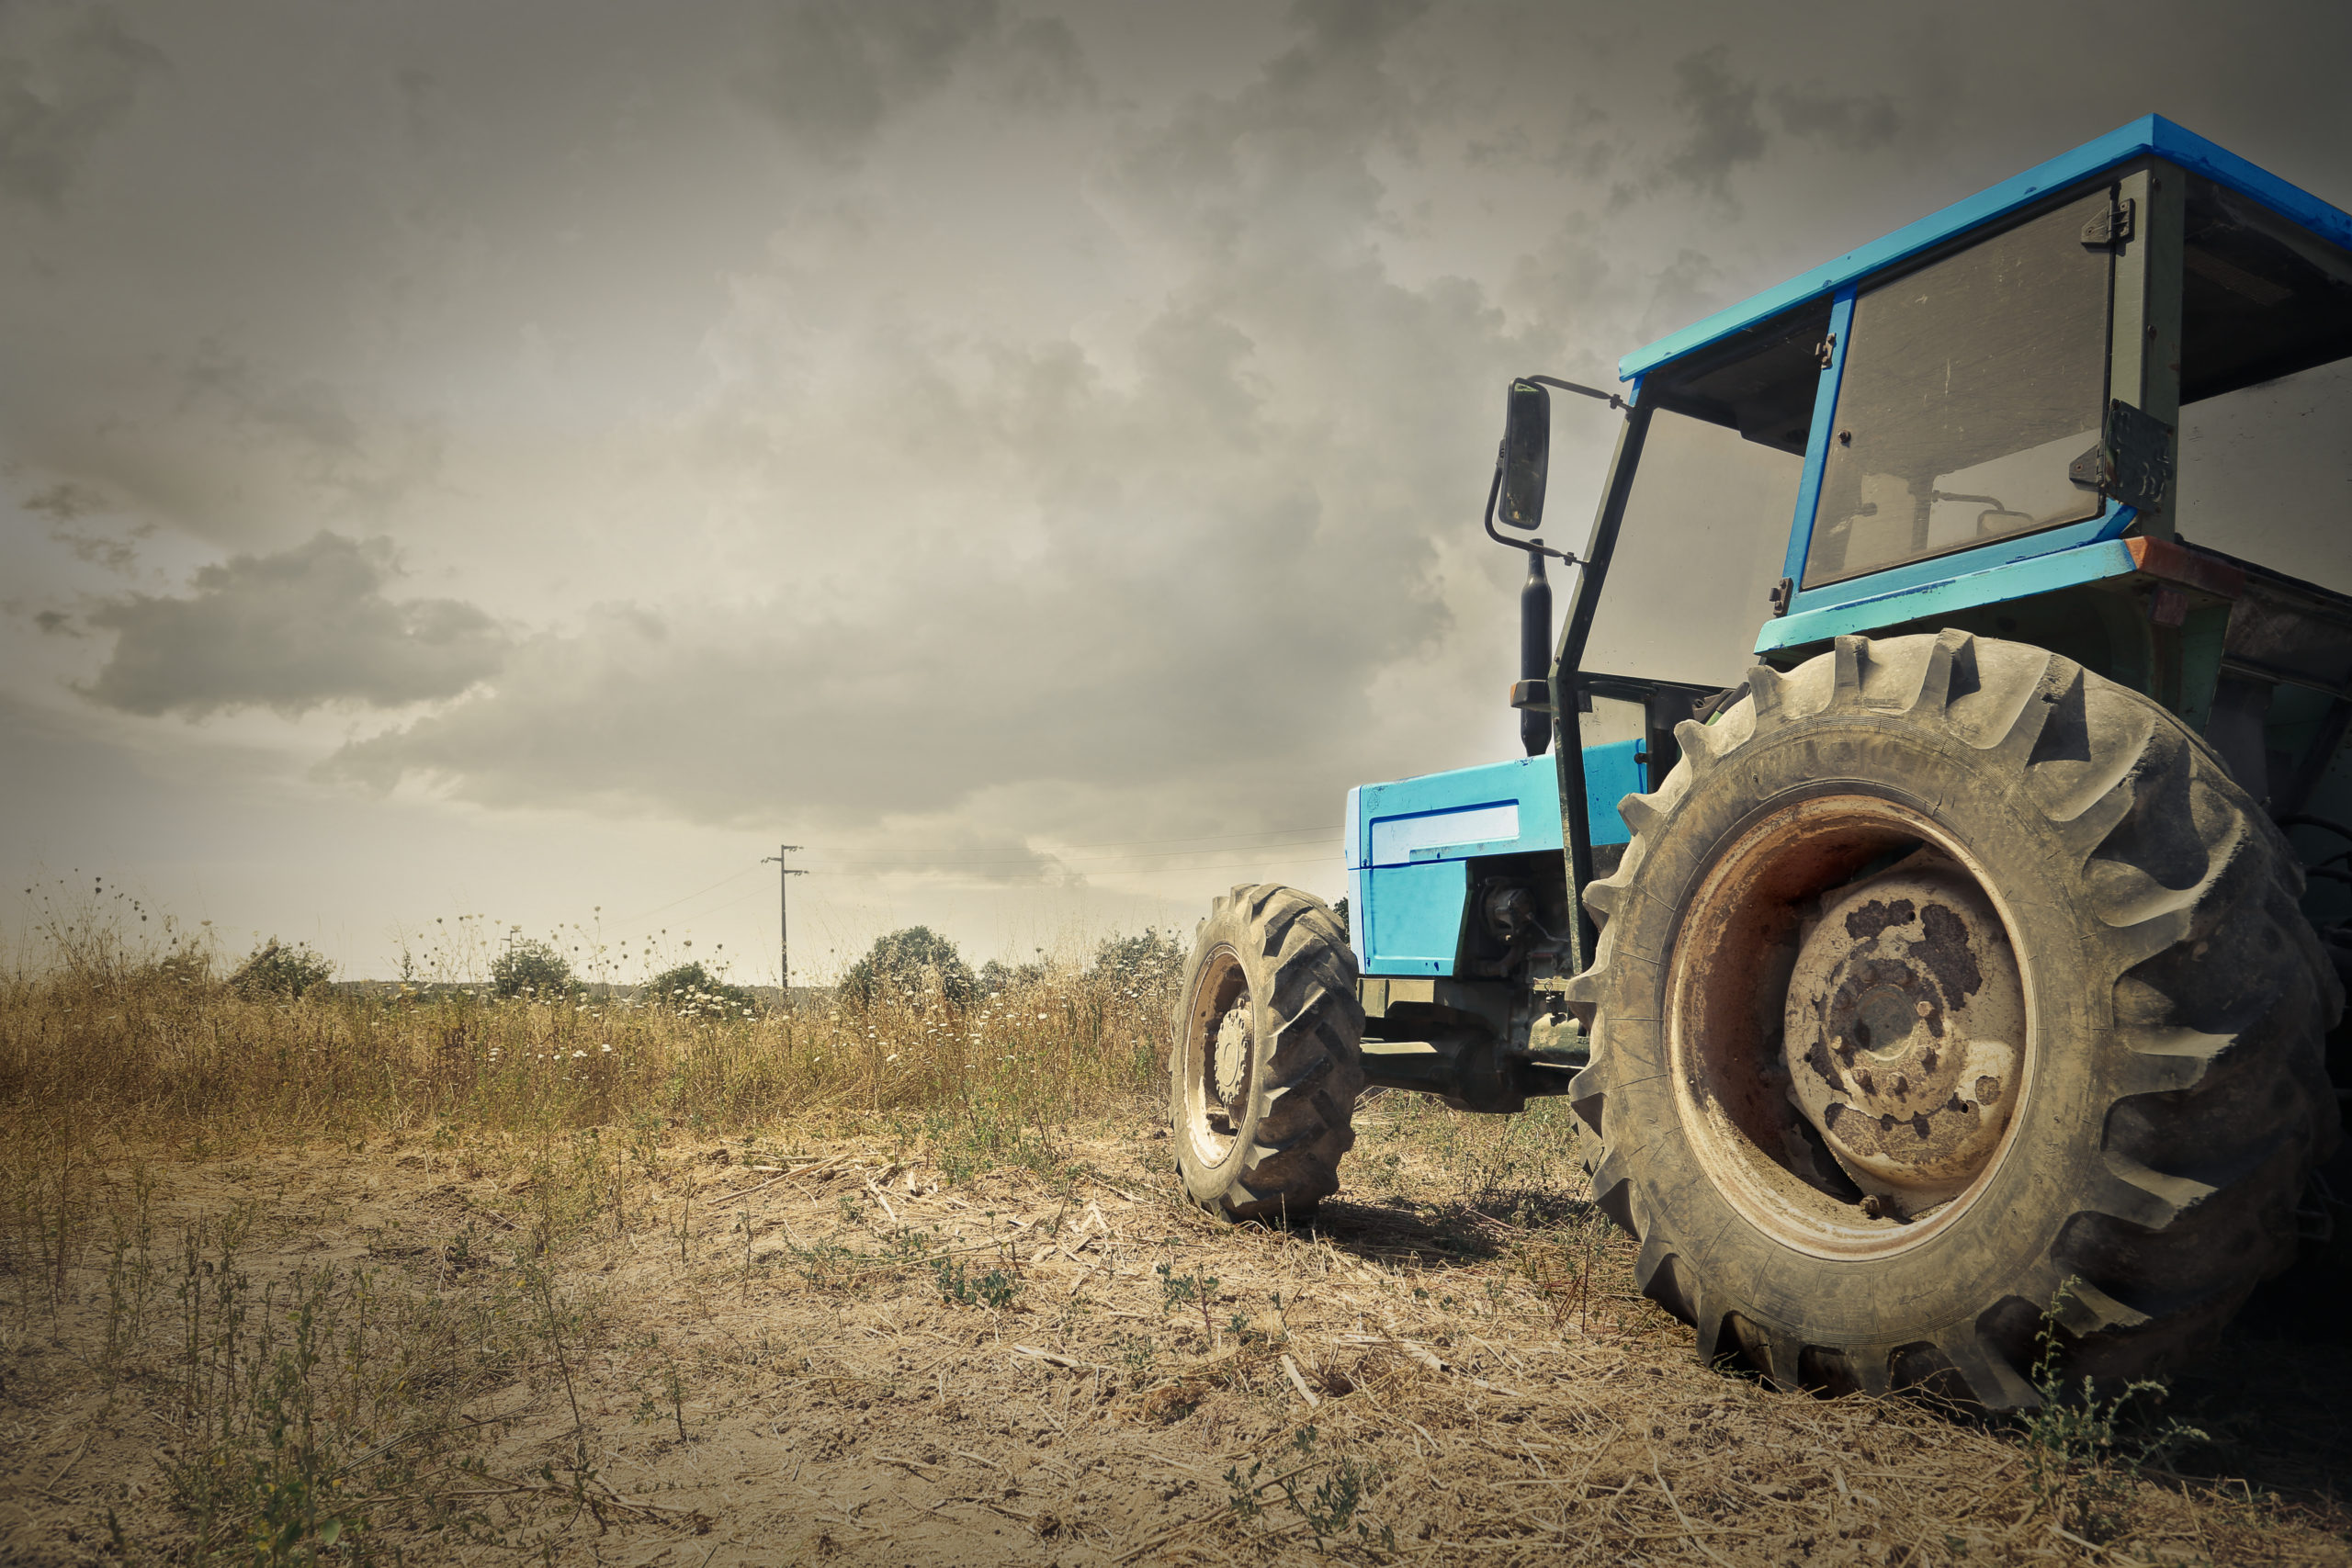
{"type": "Point", "coordinates": [526, 460]}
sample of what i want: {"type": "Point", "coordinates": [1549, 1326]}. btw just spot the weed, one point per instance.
{"type": "Point", "coordinates": [2083, 1453]}
{"type": "Point", "coordinates": [1328, 1511]}
{"type": "Point", "coordinates": [1242, 1490]}
{"type": "Point", "coordinates": [1138, 1354]}
{"type": "Point", "coordinates": [1195, 1289]}
{"type": "Point", "coordinates": [994, 1290]}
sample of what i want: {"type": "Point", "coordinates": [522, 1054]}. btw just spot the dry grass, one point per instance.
{"type": "Point", "coordinates": [152, 1047]}
{"type": "Point", "coordinates": [407, 1280]}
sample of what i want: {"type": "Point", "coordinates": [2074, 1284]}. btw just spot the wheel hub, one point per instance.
{"type": "Point", "coordinates": [1229, 1070]}
{"type": "Point", "coordinates": [1904, 1031]}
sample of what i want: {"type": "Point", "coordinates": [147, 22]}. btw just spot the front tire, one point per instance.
{"type": "Point", "coordinates": [1946, 986]}
{"type": "Point", "coordinates": [1267, 1060]}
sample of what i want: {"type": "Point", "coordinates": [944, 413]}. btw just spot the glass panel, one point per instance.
{"type": "Point", "coordinates": [2261, 298]}
{"type": "Point", "coordinates": [1968, 388]}
{"type": "Point", "coordinates": [2266, 474]}
{"type": "Point", "coordinates": [1613, 719]}
{"type": "Point", "coordinates": [1705, 534]}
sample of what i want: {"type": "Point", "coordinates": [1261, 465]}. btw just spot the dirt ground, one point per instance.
{"type": "Point", "coordinates": [872, 1349]}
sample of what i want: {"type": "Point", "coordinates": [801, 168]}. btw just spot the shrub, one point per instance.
{"type": "Point", "coordinates": [1146, 961]}
{"type": "Point", "coordinates": [909, 963]}
{"type": "Point", "coordinates": [530, 968]}
{"type": "Point", "coordinates": [997, 977]}
{"type": "Point", "coordinates": [278, 971]}
{"type": "Point", "coordinates": [693, 990]}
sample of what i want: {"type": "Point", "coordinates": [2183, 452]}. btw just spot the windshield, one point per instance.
{"type": "Point", "coordinates": [1705, 534]}
{"type": "Point", "coordinates": [1968, 388]}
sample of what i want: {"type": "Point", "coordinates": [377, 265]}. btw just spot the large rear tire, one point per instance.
{"type": "Point", "coordinates": [1267, 1060]}
{"type": "Point", "coordinates": [1945, 986]}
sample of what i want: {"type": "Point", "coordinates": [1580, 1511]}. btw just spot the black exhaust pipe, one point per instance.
{"type": "Point", "coordinates": [1535, 658]}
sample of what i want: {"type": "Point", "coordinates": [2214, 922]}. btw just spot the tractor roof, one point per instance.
{"type": "Point", "coordinates": [2149, 135]}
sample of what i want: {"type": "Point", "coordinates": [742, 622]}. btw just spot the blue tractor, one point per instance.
{"type": "Point", "coordinates": [1933, 908]}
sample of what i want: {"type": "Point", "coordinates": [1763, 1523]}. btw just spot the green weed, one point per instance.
{"type": "Point", "coordinates": [2083, 1453]}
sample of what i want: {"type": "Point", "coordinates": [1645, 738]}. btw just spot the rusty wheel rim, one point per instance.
{"type": "Point", "coordinates": [1219, 1059]}
{"type": "Point", "coordinates": [1848, 1026]}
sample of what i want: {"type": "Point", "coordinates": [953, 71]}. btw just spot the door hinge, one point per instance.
{"type": "Point", "coordinates": [1784, 590]}
{"type": "Point", "coordinates": [2133, 460]}
{"type": "Point", "coordinates": [2110, 225]}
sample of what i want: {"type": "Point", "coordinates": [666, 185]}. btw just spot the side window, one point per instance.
{"type": "Point", "coordinates": [1706, 533]}
{"type": "Point", "coordinates": [1968, 388]}
{"type": "Point", "coordinates": [2265, 388]}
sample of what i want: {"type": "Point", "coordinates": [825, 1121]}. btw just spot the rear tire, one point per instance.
{"type": "Point", "coordinates": [2130, 1167]}
{"type": "Point", "coordinates": [1267, 1060]}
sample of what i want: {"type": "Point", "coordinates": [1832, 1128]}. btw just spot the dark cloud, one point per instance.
{"type": "Point", "coordinates": [1725, 130]}
{"type": "Point", "coordinates": [118, 556]}
{"type": "Point", "coordinates": [830, 73]}
{"type": "Point", "coordinates": [1853, 123]}
{"type": "Point", "coordinates": [291, 631]}
{"type": "Point", "coordinates": [68, 74]}
{"type": "Point", "coordinates": [1219, 543]}
{"type": "Point", "coordinates": [1684, 290]}
{"type": "Point", "coordinates": [65, 502]}
{"type": "Point", "coordinates": [1043, 67]}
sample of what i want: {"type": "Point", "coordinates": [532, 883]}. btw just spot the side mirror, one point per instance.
{"type": "Point", "coordinates": [1527, 446]}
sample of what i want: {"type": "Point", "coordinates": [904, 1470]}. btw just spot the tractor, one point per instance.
{"type": "Point", "coordinates": [1926, 879]}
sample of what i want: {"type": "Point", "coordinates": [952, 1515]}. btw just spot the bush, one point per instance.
{"type": "Point", "coordinates": [278, 971]}
{"type": "Point", "coordinates": [1148, 964]}
{"type": "Point", "coordinates": [695, 991]}
{"type": "Point", "coordinates": [531, 969]}
{"type": "Point", "coordinates": [908, 964]}
{"type": "Point", "coordinates": [997, 977]}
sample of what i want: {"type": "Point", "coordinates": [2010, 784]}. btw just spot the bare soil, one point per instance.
{"type": "Point", "coordinates": [850, 1350]}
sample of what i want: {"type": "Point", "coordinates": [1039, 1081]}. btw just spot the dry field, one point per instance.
{"type": "Point", "coordinates": [447, 1281]}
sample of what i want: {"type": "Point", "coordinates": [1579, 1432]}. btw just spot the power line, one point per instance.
{"type": "Point", "coordinates": [1082, 860]}
{"type": "Point", "coordinates": [673, 903]}
{"type": "Point", "coordinates": [1114, 868]}
{"type": "Point", "coordinates": [1261, 833]}
{"type": "Point", "coordinates": [1028, 860]}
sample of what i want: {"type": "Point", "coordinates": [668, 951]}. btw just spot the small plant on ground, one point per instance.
{"type": "Point", "coordinates": [1137, 1354]}
{"type": "Point", "coordinates": [2083, 1453]}
{"type": "Point", "coordinates": [994, 1290]}
{"type": "Point", "coordinates": [1196, 1288]}
{"type": "Point", "coordinates": [1330, 1510]}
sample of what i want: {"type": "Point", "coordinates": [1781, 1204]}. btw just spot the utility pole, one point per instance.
{"type": "Point", "coordinates": [785, 874]}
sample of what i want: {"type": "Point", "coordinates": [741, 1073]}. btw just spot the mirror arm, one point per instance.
{"type": "Point", "coordinates": [1611, 399]}
{"type": "Point", "coordinates": [1494, 489]}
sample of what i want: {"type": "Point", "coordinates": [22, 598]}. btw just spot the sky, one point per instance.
{"type": "Point", "coordinates": [523, 462]}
